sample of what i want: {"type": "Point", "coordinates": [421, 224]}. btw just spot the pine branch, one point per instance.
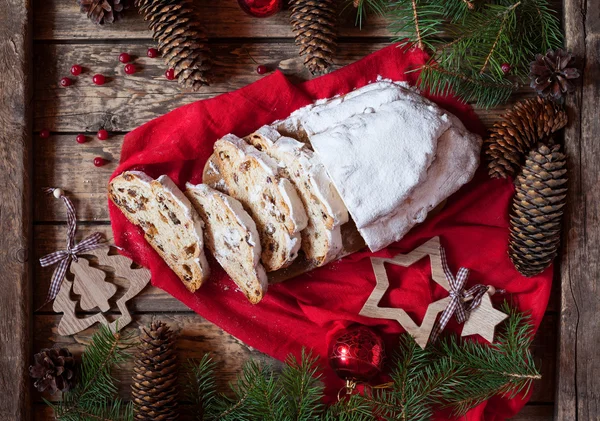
{"type": "Point", "coordinates": [201, 387]}
{"type": "Point", "coordinates": [365, 8]}
{"type": "Point", "coordinates": [96, 395]}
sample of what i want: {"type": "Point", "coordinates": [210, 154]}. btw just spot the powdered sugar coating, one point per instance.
{"type": "Point", "coordinates": [455, 164]}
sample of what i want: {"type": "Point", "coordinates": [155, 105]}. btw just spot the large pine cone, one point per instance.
{"type": "Point", "coordinates": [54, 370]}
{"type": "Point", "coordinates": [181, 40]}
{"type": "Point", "coordinates": [518, 132]}
{"type": "Point", "coordinates": [535, 221]}
{"type": "Point", "coordinates": [551, 74]}
{"type": "Point", "coordinates": [314, 24]}
{"type": "Point", "coordinates": [103, 11]}
{"type": "Point", "coordinates": [154, 387]}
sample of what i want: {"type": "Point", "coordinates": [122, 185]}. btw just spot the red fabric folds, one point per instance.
{"type": "Point", "coordinates": [306, 311]}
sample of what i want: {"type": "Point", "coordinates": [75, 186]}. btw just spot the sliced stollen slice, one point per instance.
{"type": "Point", "coordinates": [231, 236]}
{"type": "Point", "coordinates": [252, 177]}
{"type": "Point", "coordinates": [171, 224]}
{"type": "Point", "coordinates": [321, 239]}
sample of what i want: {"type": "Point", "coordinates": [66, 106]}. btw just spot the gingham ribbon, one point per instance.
{"type": "Point", "coordinates": [457, 305]}
{"type": "Point", "coordinates": [64, 257]}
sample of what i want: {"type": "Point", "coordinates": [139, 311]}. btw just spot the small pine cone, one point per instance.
{"type": "Point", "coordinates": [103, 11]}
{"type": "Point", "coordinates": [518, 132]}
{"type": "Point", "coordinates": [54, 370]}
{"type": "Point", "coordinates": [537, 208]}
{"type": "Point", "coordinates": [551, 74]}
{"type": "Point", "coordinates": [180, 38]}
{"type": "Point", "coordinates": [314, 25]}
{"type": "Point", "coordinates": [154, 387]}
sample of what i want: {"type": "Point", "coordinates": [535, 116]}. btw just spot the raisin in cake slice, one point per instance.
{"type": "Point", "coordinates": [321, 239]}
{"type": "Point", "coordinates": [171, 224]}
{"type": "Point", "coordinates": [252, 177]}
{"type": "Point", "coordinates": [231, 236]}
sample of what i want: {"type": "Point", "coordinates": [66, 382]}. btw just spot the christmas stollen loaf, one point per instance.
{"type": "Point", "coordinates": [171, 224]}
{"type": "Point", "coordinates": [379, 144]}
{"type": "Point", "coordinates": [252, 177]}
{"type": "Point", "coordinates": [231, 236]}
{"type": "Point", "coordinates": [321, 239]}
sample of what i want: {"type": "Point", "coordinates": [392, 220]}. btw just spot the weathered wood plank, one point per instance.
{"type": "Point", "coordinates": [15, 209]}
{"type": "Point", "coordinates": [49, 238]}
{"type": "Point", "coordinates": [61, 20]}
{"type": "Point", "coordinates": [125, 102]}
{"type": "Point", "coordinates": [198, 336]}
{"type": "Point", "coordinates": [531, 412]}
{"type": "Point", "coordinates": [578, 362]}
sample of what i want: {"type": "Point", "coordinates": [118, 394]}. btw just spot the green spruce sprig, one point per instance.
{"type": "Point", "coordinates": [95, 398]}
{"type": "Point", "coordinates": [469, 42]}
{"type": "Point", "coordinates": [457, 374]}
{"type": "Point", "coordinates": [365, 8]}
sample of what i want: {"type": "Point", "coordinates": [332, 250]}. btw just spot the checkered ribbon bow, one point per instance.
{"type": "Point", "coordinates": [458, 295]}
{"type": "Point", "coordinates": [64, 257]}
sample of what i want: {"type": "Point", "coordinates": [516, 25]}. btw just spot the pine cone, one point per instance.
{"type": "Point", "coordinates": [551, 74]}
{"type": "Point", "coordinates": [518, 132]}
{"type": "Point", "coordinates": [314, 24]}
{"type": "Point", "coordinates": [154, 388]}
{"type": "Point", "coordinates": [103, 11]}
{"type": "Point", "coordinates": [180, 38]}
{"type": "Point", "coordinates": [54, 370]}
{"type": "Point", "coordinates": [535, 221]}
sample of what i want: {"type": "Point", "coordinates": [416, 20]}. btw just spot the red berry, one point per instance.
{"type": "Point", "coordinates": [152, 53]}
{"type": "Point", "coordinates": [102, 134]}
{"type": "Point", "coordinates": [44, 133]}
{"type": "Point", "coordinates": [124, 58]}
{"type": "Point", "coordinates": [129, 69]}
{"type": "Point", "coordinates": [65, 81]}
{"type": "Point", "coordinates": [262, 69]}
{"type": "Point", "coordinates": [506, 68]}
{"type": "Point", "coordinates": [99, 161]}
{"type": "Point", "coordinates": [99, 79]}
{"type": "Point", "coordinates": [76, 70]}
{"type": "Point", "coordinates": [170, 74]}
{"type": "Point", "coordinates": [80, 138]}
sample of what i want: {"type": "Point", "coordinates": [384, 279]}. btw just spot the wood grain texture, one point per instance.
{"type": "Point", "coordinates": [94, 276]}
{"type": "Point", "coordinates": [61, 20]}
{"type": "Point", "coordinates": [578, 363]}
{"type": "Point", "coordinates": [125, 102]}
{"type": "Point", "coordinates": [198, 336]}
{"type": "Point", "coordinates": [15, 208]}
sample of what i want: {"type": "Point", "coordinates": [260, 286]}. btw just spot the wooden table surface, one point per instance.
{"type": "Point", "coordinates": [40, 41]}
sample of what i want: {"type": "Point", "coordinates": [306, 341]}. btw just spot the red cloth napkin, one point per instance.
{"type": "Point", "coordinates": [306, 311]}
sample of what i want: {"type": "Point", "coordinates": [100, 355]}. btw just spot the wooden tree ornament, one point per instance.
{"type": "Point", "coordinates": [482, 320]}
{"type": "Point", "coordinates": [90, 284]}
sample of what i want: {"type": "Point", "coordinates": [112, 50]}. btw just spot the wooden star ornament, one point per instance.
{"type": "Point", "coordinates": [371, 307]}
{"type": "Point", "coordinates": [483, 320]}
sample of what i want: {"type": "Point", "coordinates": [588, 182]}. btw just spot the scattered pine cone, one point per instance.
{"type": "Point", "coordinates": [537, 208]}
{"type": "Point", "coordinates": [154, 387]}
{"type": "Point", "coordinates": [54, 370]}
{"type": "Point", "coordinates": [180, 38]}
{"type": "Point", "coordinates": [518, 132]}
{"type": "Point", "coordinates": [103, 11]}
{"type": "Point", "coordinates": [551, 74]}
{"type": "Point", "coordinates": [314, 24]}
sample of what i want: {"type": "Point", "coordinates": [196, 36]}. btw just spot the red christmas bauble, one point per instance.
{"type": "Point", "coordinates": [99, 161]}
{"type": "Point", "coordinates": [356, 353]}
{"type": "Point", "coordinates": [170, 74]}
{"type": "Point", "coordinates": [102, 134]}
{"type": "Point", "coordinates": [260, 8]}
{"type": "Point", "coordinates": [80, 138]}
